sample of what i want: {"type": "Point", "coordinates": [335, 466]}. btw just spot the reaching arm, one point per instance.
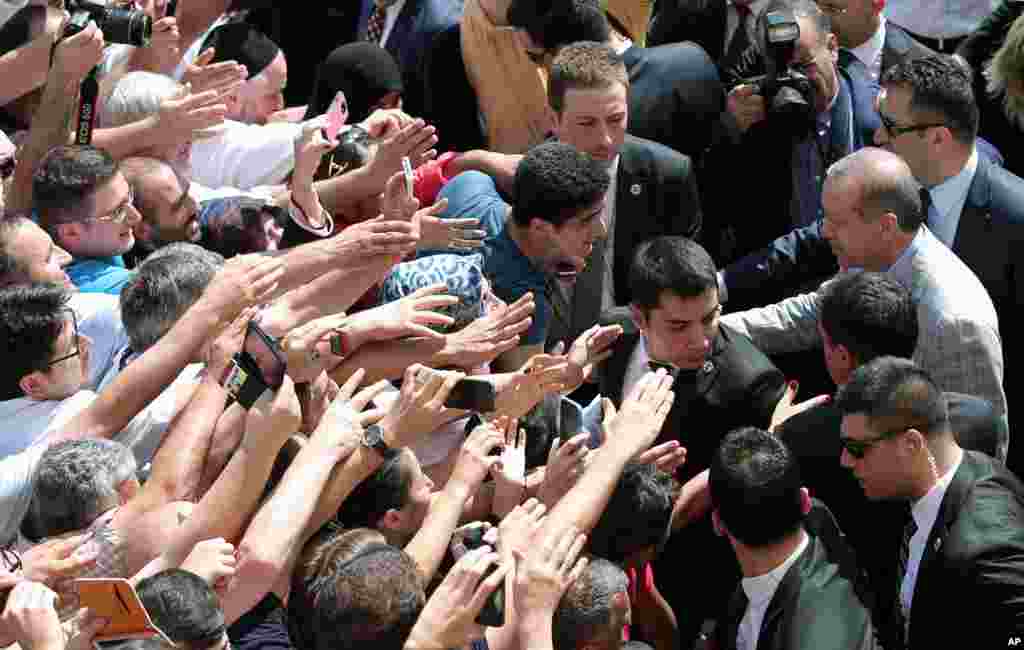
{"type": "Point", "coordinates": [787, 326]}
{"type": "Point", "coordinates": [242, 282]}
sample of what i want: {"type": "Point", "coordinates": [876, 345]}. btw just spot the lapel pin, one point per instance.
{"type": "Point", "coordinates": [938, 544]}
{"type": "Point", "coordinates": [635, 189]}
{"type": "Point", "coordinates": [708, 367]}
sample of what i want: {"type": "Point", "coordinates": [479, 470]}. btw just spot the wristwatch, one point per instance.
{"type": "Point", "coordinates": [373, 438]}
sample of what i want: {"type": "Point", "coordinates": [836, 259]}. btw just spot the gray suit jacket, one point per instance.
{"type": "Point", "coordinates": [958, 344]}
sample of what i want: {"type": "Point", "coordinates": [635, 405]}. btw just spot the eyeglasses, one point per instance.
{"type": "Point", "coordinates": [895, 130]}
{"type": "Point", "coordinates": [120, 213]}
{"type": "Point", "coordinates": [74, 333]}
{"type": "Point", "coordinates": [832, 10]}
{"type": "Point", "coordinates": [859, 447]}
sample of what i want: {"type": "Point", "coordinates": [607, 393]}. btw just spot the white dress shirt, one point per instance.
{"type": "Point", "coordinates": [760, 590]}
{"type": "Point", "coordinates": [925, 510]}
{"type": "Point", "coordinates": [939, 18]}
{"type": "Point", "coordinates": [636, 368]}
{"type": "Point", "coordinates": [390, 18]}
{"type": "Point", "coordinates": [948, 199]}
{"type": "Point", "coordinates": [870, 52]}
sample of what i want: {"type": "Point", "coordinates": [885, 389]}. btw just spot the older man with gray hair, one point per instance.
{"type": "Point", "coordinates": [874, 220]}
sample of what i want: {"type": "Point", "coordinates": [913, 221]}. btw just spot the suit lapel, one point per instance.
{"type": "Point", "coordinates": [976, 213]}
{"type": "Point", "coordinates": [613, 374]}
{"type": "Point", "coordinates": [586, 299]}
{"type": "Point", "coordinates": [561, 311]}
{"type": "Point", "coordinates": [731, 623]}
{"type": "Point", "coordinates": [631, 188]}
{"type": "Point", "coordinates": [931, 560]}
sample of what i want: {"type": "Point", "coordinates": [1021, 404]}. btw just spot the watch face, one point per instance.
{"type": "Point", "coordinates": [373, 435]}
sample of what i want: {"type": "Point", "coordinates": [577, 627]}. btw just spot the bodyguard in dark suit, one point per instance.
{"type": "Point", "coordinates": [960, 543]}
{"type": "Point", "coordinates": [712, 24]}
{"type": "Point", "coordinates": [865, 316]}
{"type": "Point", "coordinates": [800, 587]}
{"type": "Point", "coordinates": [417, 24]}
{"type": "Point", "coordinates": [865, 35]}
{"type": "Point", "coordinates": [721, 382]}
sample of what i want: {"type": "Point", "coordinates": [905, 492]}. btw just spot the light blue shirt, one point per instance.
{"type": "Point", "coordinates": [99, 274]}
{"type": "Point", "coordinates": [948, 199]}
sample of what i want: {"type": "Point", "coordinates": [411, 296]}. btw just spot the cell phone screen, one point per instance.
{"type": "Point", "coordinates": [337, 115]}
{"type": "Point", "coordinates": [266, 354]}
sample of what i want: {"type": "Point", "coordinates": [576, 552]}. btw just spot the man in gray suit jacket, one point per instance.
{"type": "Point", "coordinates": [874, 221]}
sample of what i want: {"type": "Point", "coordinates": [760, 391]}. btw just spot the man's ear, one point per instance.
{"type": "Point", "coordinates": [805, 501]}
{"type": "Point", "coordinates": [34, 385]}
{"type": "Point", "coordinates": [390, 520]}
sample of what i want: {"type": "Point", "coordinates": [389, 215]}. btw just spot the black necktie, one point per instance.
{"type": "Point", "coordinates": [909, 529]}
{"type": "Point", "coordinates": [740, 38]}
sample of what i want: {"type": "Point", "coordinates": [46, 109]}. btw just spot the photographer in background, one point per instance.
{"type": "Point", "coordinates": [788, 127]}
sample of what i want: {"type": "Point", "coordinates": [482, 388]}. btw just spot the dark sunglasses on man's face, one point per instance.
{"type": "Point", "coordinates": [74, 332]}
{"type": "Point", "coordinates": [858, 448]}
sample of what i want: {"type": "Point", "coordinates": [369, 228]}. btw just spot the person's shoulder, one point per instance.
{"type": "Point", "coordinates": [636, 149]}
{"type": "Point", "coordinates": [1006, 190]}
{"type": "Point", "coordinates": [742, 365]}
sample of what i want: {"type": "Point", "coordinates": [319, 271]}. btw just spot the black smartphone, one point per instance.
{"type": "Point", "coordinates": [266, 354]}
{"type": "Point", "coordinates": [472, 394]}
{"type": "Point", "coordinates": [570, 420]}
{"type": "Point", "coordinates": [172, 7]}
{"type": "Point", "coordinates": [493, 612]}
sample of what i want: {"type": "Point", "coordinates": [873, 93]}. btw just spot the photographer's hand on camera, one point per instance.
{"type": "Point", "coordinates": [745, 106]}
{"type": "Point", "coordinates": [74, 57]}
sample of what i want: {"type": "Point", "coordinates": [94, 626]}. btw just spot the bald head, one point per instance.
{"type": "Point", "coordinates": [884, 184]}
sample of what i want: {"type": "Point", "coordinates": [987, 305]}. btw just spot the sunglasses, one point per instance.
{"type": "Point", "coordinates": [858, 448]}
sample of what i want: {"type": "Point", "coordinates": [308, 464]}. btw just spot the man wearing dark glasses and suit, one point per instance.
{"type": "Point", "coordinates": [959, 540]}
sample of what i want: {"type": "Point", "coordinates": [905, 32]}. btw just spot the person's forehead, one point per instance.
{"type": "Point", "coordinates": [673, 307]}
{"type": "Point", "coordinates": [595, 101]}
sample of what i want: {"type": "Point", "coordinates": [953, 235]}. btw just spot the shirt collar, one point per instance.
{"type": "Point", "coordinates": [926, 509]}
{"type": "Point", "coordinates": [902, 267]}
{"type": "Point", "coordinates": [870, 51]}
{"type": "Point", "coordinates": [760, 589]}
{"type": "Point", "coordinates": [952, 192]}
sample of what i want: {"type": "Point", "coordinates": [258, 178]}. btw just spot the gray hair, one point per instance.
{"type": "Point", "coordinates": [137, 96]}
{"type": "Point", "coordinates": [1006, 67]}
{"type": "Point", "coordinates": [75, 482]}
{"type": "Point", "coordinates": [163, 288]}
{"type": "Point", "coordinates": [585, 612]}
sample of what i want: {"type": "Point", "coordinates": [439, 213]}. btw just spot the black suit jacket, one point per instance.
{"type": "Point", "coordinates": [700, 21]}
{"type": "Point", "coordinates": [655, 194]}
{"type": "Point", "coordinates": [974, 557]}
{"type": "Point", "coordinates": [738, 386]}
{"type": "Point", "coordinates": [813, 437]}
{"type": "Point", "coordinates": [817, 605]}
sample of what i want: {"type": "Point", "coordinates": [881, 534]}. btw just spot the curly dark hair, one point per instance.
{"type": "Point", "coordinates": [555, 182]}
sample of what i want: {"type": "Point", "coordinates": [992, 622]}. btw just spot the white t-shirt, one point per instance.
{"type": "Point", "coordinates": [16, 489]}
{"type": "Point", "coordinates": [245, 156]}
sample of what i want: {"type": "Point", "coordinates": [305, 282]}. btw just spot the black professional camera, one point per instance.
{"type": "Point", "coordinates": [119, 25]}
{"type": "Point", "coordinates": [788, 94]}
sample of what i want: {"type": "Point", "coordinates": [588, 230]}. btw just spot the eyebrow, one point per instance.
{"type": "Point", "coordinates": [706, 316]}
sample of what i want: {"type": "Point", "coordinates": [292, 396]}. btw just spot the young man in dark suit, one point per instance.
{"type": "Point", "coordinates": [798, 590]}
{"type": "Point", "coordinates": [721, 382]}
{"type": "Point", "coordinates": [961, 542]}
{"type": "Point", "coordinates": [865, 316]}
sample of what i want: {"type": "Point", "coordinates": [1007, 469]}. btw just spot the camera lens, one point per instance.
{"type": "Point", "coordinates": [127, 26]}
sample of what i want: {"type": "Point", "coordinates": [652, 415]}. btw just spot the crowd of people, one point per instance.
{"type": "Point", "coordinates": [500, 324]}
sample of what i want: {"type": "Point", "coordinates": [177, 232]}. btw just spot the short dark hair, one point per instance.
{"type": "Point", "coordinates": [368, 599]}
{"type": "Point", "coordinates": [162, 289]}
{"type": "Point", "coordinates": [869, 314]}
{"type": "Point", "coordinates": [801, 9]}
{"type": "Point", "coordinates": [755, 487]}
{"type": "Point", "coordinates": [554, 182]}
{"type": "Point", "coordinates": [585, 612]}
{"type": "Point", "coordinates": [675, 264]}
{"type": "Point", "coordinates": [184, 607]}
{"type": "Point", "coordinates": [938, 84]}
{"type": "Point", "coordinates": [637, 515]}
{"type": "Point", "coordinates": [32, 317]}
{"type": "Point", "coordinates": [892, 393]}
{"type": "Point", "coordinates": [66, 176]}
{"type": "Point", "coordinates": [386, 489]}
{"type": "Point", "coordinates": [586, 65]}
{"type": "Point", "coordinates": [554, 24]}
{"type": "Point", "coordinates": [12, 270]}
